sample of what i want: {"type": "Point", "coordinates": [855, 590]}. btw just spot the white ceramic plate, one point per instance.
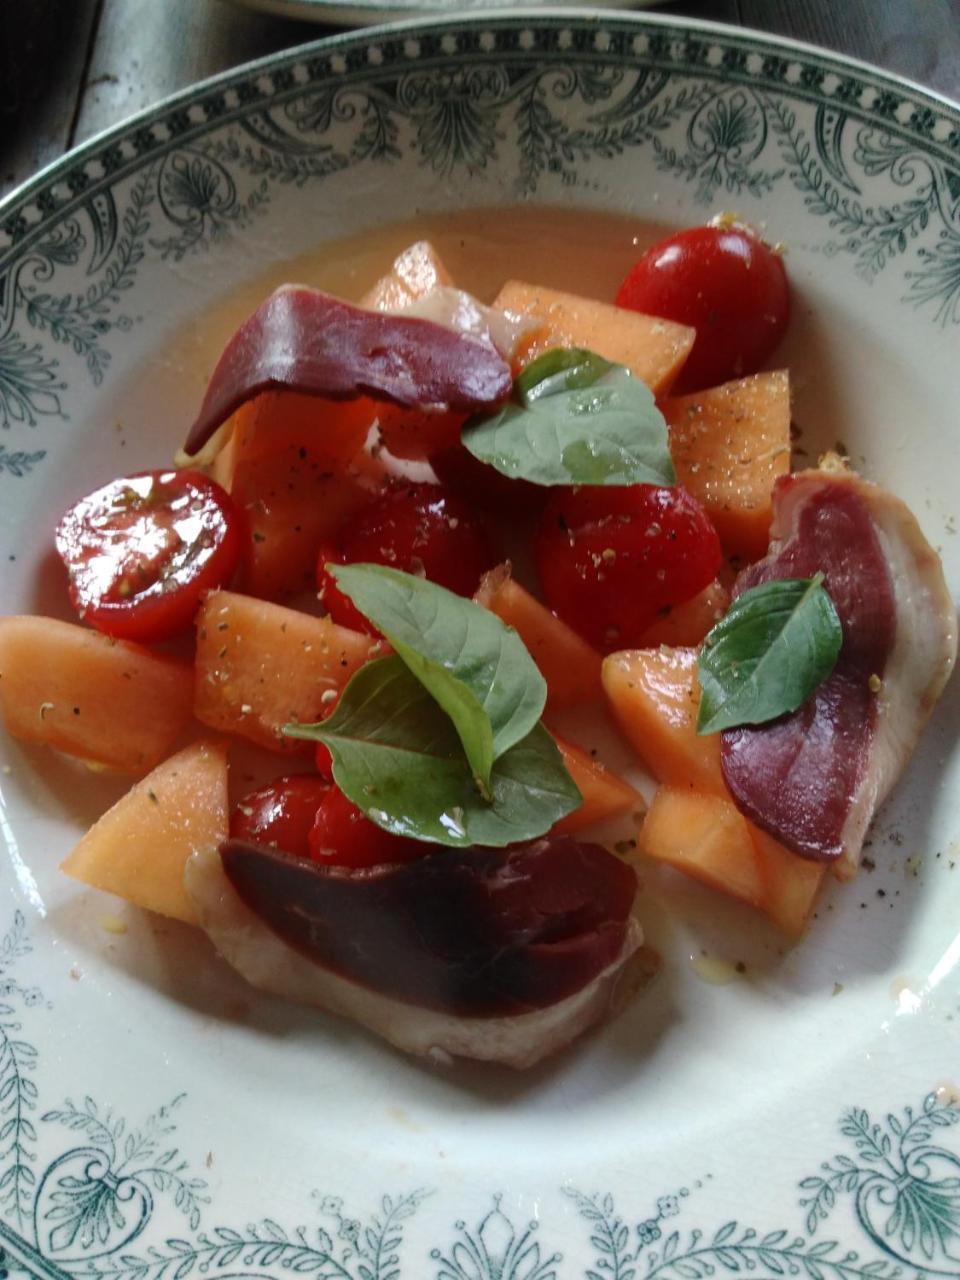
{"type": "Point", "coordinates": [158, 1121]}
{"type": "Point", "coordinates": [361, 12]}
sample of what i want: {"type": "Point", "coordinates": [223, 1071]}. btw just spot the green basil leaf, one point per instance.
{"type": "Point", "coordinates": [594, 423]}
{"type": "Point", "coordinates": [477, 669]}
{"type": "Point", "coordinates": [766, 656]}
{"type": "Point", "coordinates": [397, 756]}
{"type": "Point", "coordinates": [559, 369]}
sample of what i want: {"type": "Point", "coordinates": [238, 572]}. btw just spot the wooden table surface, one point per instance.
{"type": "Point", "coordinates": [69, 68]}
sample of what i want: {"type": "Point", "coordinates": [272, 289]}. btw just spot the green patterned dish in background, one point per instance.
{"type": "Point", "coordinates": [159, 1121]}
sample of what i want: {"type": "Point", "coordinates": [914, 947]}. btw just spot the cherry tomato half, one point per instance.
{"type": "Point", "coordinates": [610, 559]}
{"type": "Point", "coordinates": [727, 284]}
{"type": "Point", "coordinates": [343, 837]}
{"type": "Point", "coordinates": [143, 551]}
{"type": "Point", "coordinates": [281, 814]}
{"type": "Point", "coordinates": [419, 528]}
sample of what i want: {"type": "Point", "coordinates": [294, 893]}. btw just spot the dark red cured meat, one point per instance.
{"type": "Point", "coordinates": [303, 340]}
{"type": "Point", "coordinates": [798, 777]}
{"type": "Point", "coordinates": [472, 932]}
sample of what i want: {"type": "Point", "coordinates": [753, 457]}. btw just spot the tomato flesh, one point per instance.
{"type": "Point", "coordinates": [418, 528]}
{"type": "Point", "coordinates": [341, 836]}
{"type": "Point", "coordinates": [612, 559]}
{"type": "Point", "coordinates": [281, 814]}
{"type": "Point", "coordinates": [727, 284]}
{"type": "Point", "coordinates": [143, 550]}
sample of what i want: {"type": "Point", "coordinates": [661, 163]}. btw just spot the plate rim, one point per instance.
{"type": "Point", "coordinates": [48, 175]}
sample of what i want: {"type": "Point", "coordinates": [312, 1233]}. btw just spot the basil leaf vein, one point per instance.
{"type": "Point", "coordinates": [477, 669]}
{"type": "Point", "coordinates": [768, 654]}
{"type": "Point", "coordinates": [575, 419]}
{"type": "Point", "coordinates": [397, 756]}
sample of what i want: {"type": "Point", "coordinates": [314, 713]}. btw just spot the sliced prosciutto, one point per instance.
{"type": "Point", "coordinates": [303, 340]}
{"type": "Point", "coordinates": [499, 955]}
{"type": "Point", "coordinates": [814, 779]}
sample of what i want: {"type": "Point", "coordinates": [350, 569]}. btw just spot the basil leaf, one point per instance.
{"type": "Point", "coordinates": [559, 369]}
{"type": "Point", "coordinates": [477, 669]}
{"type": "Point", "coordinates": [581, 421]}
{"type": "Point", "coordinates": [397, 756]}
{"type": "Point", "coordinates": [767, 654]}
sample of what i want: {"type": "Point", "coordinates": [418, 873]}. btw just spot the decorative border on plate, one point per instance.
{"type": "Point", "coordinates": [102, 1206]}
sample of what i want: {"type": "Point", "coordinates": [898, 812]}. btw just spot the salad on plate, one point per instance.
{"type": "Point", "coordinates": [410, 551]}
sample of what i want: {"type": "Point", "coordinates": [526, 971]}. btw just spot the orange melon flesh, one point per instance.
{"type": "Point", "coordinates": [104, 700]}
{"type": "Point", "coordinates": [569, 665]}
{"type": "Point", "coordinates": [730, 444]}
{"type": "Point", "coordinates": [654, 697]}
{"type": "Point", "coordinates": [605, 793]}
{"type": "Point", "coordinates": [261, 666]}
{"type": "Point", "coordinates": [139, 848]}
{"type": "Point", "coordinates": [297, 468]}
{"type": "Point", "coordinates": [790, 883]}
{"type": "Point", "coordinates": [705, 837]}
{"type": "Point", "coordinates": [688, 624]}
{"type": "Point", "coordinates": [417, 270]}
{"type": "Point", "coordinates": [653, 349]}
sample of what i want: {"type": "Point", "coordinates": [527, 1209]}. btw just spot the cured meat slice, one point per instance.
{"type": "Point", "coordinates": [496, 955]}
{"type": "Point", "coordinates": [814, 779]}
{"type": "Point", "coordinates": [303, 340]}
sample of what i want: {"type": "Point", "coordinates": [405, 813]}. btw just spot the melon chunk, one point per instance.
{"type": "Point", "coordinates": [297, 468]}
{"type": "Point", "coordinates": [654, 697]}
{"type": "Point", "coordinates": [415, 272]}
{"type": "Point", "coordinates": [729, 446]}
{"type": "Point", "coordinates": [705, 837]}
{"type": "Point", "coordinates": [790, 883]}
{"type": "Point", "coordinates": [261, 666]}
{"type": "Point", "coordinates": [605, 793]}
{"type": "Point", "coordinates": [104, 700]}
{"type": "Point", "coordinates": [688, 623]}
{"type": "Point", "coordinates": [651, 348]}
{"type": "Point", "coordinates": [139, 848]}
{"type": "Point", "coordinates": [569, 665]}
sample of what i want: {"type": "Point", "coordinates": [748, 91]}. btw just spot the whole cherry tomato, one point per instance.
{"type": "Point", "coordinates": [611, 559]}
{"type": "Point", "coordinates": [727, 284]}
{"type": "Point", "coordinates": [143, 550]}
{"type": "Point", "coordinates": [343, 837]}
{"type": "Point", "coordinates": [281, 814]}
{"type": "Point", "coordinates": [419, 528]}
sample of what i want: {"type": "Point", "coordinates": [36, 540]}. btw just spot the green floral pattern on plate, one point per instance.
{"type": "Point", "coordinates": [92, 1211]}
{"type": "Point", "coordinates": [728, 116]}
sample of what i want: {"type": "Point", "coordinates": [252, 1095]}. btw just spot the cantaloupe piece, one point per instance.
{"type": "Point", "coordinates": [790, 883]}
{"type": "Point", "coordinates": [104, 700]}
{"type": "Point", "coordinates": [687, 624]}
{"type": "Point", "coordinates": [417, 270]}
{"type": "Point", "coordinates": [605, 793]}
{"type": "Point", "coordinates": [654, 697]}
{"type": "Point", "coordinates": [261, 666]}
{"type": "Point", "coordinates": [569, 665]}
{"type": "Point", "coordinates": [729, 446]}
{"type": "Point", "coordinates": [297, 468]}
{"type": "Point", "coordinates": [139, 848]}
{"type": "Point", "coordinates": [651, 348]}
{"type": "Point", "coordinates": [706, 837]}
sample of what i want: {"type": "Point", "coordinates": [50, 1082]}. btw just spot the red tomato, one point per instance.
{"type": "Point", "coordinates": [727, 284]}
{"type": "Point", "coordinates": [610, 559]}
{"type": "Point", "coordinates": [281, 814]}
{"type": "Point", "coordinates": [457, 468]}
{"type": "Point", "coordinates": [143, 551]}
{"type": "Point", "coordinates": [343, 837]}
{"type": "Point", "coordinates": [419, 528]}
